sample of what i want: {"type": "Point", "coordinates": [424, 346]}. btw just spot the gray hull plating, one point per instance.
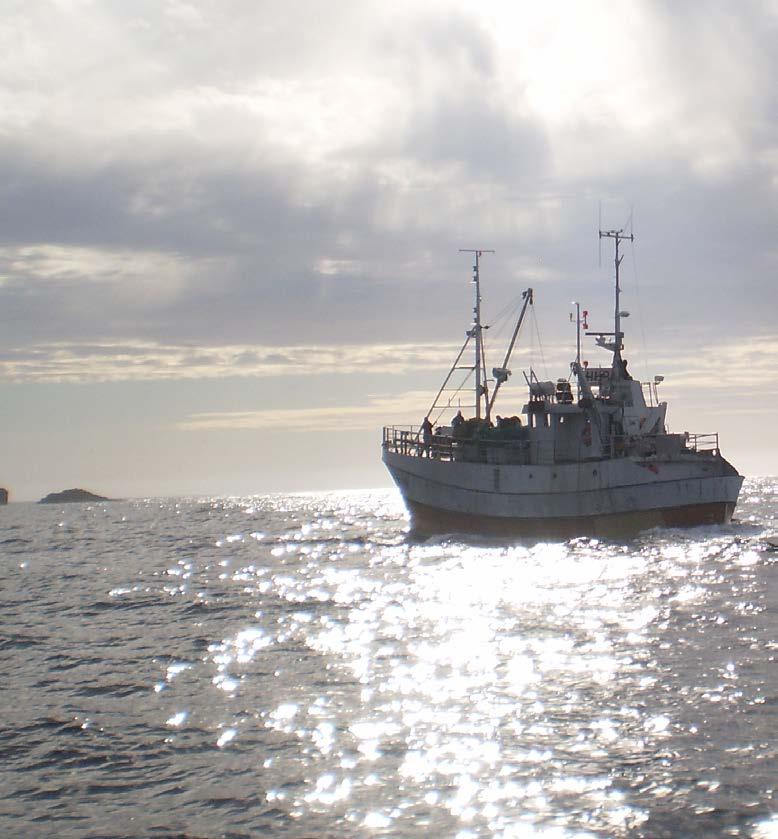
{"type": "Point", "coordinates": [598, 497]}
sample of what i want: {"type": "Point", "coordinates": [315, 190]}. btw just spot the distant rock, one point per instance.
{"type": "Point", "coordinates": [71, 496]}
{"type": "Point", "coordinates": [3, 495]}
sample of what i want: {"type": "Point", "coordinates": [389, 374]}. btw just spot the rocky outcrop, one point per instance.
{"type": "Point", "coordinates": [71, 496]}
{"type": "Point", "coordinates": [3, 495]}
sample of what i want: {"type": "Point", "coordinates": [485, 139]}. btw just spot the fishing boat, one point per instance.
{"type": "Point", "coordinates": [591, 453]}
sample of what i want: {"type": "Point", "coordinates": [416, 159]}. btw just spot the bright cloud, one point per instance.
{"type": "Point", "coordinates": [138, 361]}
{"type": "Point", "coordinates": [398, 408]}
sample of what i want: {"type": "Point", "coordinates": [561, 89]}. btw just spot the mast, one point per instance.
{"type": "Point", "coordinates": [577, 331]}
{"type": "Point", "coordinates": [579, 322]}
{"type": "Point", "coordinates": [477, 330]}
{"type": "Point", "coordinates": [618, 335]}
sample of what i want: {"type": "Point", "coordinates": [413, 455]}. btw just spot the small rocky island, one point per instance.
{"type": "Point", "coordinates": [71, 496]}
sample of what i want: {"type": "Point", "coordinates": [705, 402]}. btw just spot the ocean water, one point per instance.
{"type": "Point", "coordinates": [297, 666]}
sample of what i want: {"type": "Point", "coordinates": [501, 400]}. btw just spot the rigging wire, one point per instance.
{"type": "Point", "coordinates": [511, 309]}
{"type": "Point", "coordinates": [445, 403]}
{"type": "Point", "coordinates": [446, 398]}
{"type": "Point", "coordinates": [640, 312]}
{"type": "Point", "coordinates": [540, 343]}
{"type": "Point", "coordinates": [628, 222]}
{"type": "Point", "coordinates": [507, 310]}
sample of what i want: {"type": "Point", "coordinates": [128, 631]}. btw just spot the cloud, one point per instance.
{"type": "Point", "coordinates": [401, 409]}
{"type": "Point", "coordinates": [185, 175]}
{"type": "Point", "coordinates": [240, 170]}
{"type": "Point", "coordinates": [197, 190]}
{"type": "Point", "coordinates": [731, 373]}
{"type": "Point", "coordinates": [132, 273]}
{"type": "Point", "coordinates": [735, 370]}
{"type": "Point", "coordinates": [138, 361]}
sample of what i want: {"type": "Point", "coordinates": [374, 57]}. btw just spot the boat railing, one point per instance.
{"type": "Point", "coordinates": [662, 445]}
{"type": "Point", "coordinates": [408, 440]}
{"type": "Point", "coordinates": [403, 439]}
{"type": "Point", "coordinates": [703, 443]}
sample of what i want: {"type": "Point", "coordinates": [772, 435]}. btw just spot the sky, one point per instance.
{"type": "Point", "coordinates": [230, 231]}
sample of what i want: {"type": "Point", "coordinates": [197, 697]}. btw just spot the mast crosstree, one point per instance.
{"type": "Point", "coordinates": [617, 236]}
{"type": "Point", "coordinates": [617, 344]}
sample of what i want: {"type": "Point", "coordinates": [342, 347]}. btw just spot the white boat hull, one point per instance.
{"type": "Point", "coordinates": [603, 497]}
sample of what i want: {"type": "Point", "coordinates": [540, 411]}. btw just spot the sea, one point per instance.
{"type": "Point", "coordinates": [303, 666]}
